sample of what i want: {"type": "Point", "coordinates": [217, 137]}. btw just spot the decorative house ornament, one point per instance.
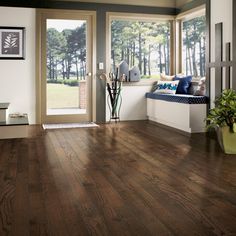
{"type": "Point", "coordinates": [123, 69]}
{"type": "Point", "coordinates": [134, 74]}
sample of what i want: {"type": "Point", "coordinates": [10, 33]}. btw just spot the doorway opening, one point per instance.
{"type": "Point", "coordinates": [66, 80]}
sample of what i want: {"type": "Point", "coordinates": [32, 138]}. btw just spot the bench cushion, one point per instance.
{"type": "Point", "coordinates": [179, 98]}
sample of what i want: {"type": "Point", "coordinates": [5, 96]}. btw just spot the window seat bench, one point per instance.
{"type": "Point", "coordinates": [180, 111]}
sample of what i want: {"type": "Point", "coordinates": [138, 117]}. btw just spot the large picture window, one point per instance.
{"type": "Point", "coordinates": [193, 46]}
{"type": "Point", "coordinates": [145, 44]}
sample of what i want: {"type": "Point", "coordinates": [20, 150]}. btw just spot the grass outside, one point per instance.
{"type": "Point", "coordinates": [62, 96]}
{"type": "Point", "coordinates": [150, 76]}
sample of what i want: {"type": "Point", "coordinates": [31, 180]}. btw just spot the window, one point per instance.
{"type": "Point", "coordinates": [193, 46]}
{"type": "Point", "coordinates": [141, 43]}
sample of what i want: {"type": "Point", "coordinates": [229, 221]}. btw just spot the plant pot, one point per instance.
{"type": "Point", "coordinates": [227, 139]}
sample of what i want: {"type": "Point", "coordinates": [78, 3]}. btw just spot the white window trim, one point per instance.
{"type": "Point", "coordinates": [132, 16]}
{"type": "Point", "coordinates": [185, 16]}
{"type": "Point", "coordinates": [176, 31]}
{"type": "Point", "coordinates": [193, 13]}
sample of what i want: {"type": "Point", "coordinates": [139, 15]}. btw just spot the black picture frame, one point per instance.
{"type": "Point", "coordinates": [12, 43]}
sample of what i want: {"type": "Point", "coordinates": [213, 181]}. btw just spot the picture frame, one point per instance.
{"type": "Point", "coordinates": [12, 43]}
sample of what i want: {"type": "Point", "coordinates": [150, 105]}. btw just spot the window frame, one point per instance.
{"type": "Point", "coordinates": [182, 17]}
{"type": "Point", "coordinates": [139, 17]}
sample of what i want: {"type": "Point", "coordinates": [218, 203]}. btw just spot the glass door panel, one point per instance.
{"type": "Point", "coordinates": [66, 67]}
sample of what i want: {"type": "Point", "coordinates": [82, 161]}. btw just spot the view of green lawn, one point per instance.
{"type": "Point", "coordinates": [62, 96]}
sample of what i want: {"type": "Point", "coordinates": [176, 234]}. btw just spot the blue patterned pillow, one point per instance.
{"type": "Point", "coordinates": [167, 87]}
{"type": "Point", "coordinates": [184, 84]}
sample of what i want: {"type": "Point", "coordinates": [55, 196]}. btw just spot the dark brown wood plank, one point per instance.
{"type": "Point", "coordinates": [8, 166]}
{"type": "Point", "coordinates": [20, 225]}
{"type": "Point", "coordinates": [129, 178]}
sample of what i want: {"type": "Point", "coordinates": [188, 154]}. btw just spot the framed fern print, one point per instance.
{"type": "Point", "coordinates": [12, 41]}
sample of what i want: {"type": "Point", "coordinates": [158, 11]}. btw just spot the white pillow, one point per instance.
{"type": "Point", "coordinates": [201, 89]}
{"type": "Point", "coordinates": [166, 77]}
{"type": "Point", "coordinates": [166, 87]}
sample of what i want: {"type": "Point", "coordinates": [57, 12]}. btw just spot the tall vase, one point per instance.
{"type": "Point", "coordinates": [114, 101]}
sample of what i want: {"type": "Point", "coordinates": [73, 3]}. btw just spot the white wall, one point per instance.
{"type": "Point", "coordinates": [221, 11]}
{"type": "Point", "coordinates": [17, 77]}
{"type": "Point", "coordinates": [134, 104]}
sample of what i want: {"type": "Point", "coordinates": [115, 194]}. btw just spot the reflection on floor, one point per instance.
{"type": "Point", "coordinates": [126, 178]}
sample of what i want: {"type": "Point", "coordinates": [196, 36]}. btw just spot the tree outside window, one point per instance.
{"type": "Point", "coordinates": [193, 50]}
{"type": "Point", "coordinates": [142, 44]}
{"type": "Point", "coordinates": [66, 52]}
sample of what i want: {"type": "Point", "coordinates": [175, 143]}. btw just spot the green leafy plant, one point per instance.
{"type": "Point", "coordinates": [55, 81]}
{"type": "Point", "coordinates": [224, 113]}
{"type": "Point", "coordinates": [71, 82]}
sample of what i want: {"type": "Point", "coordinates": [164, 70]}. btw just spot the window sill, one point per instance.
{"type": "Point", "coordinates": [146, 82]}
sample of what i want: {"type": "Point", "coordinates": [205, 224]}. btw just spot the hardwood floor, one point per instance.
{"type": "Point", "coordinates": [131, 178]}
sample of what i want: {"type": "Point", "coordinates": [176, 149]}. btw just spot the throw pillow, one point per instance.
{"type": "Point", "coordinates": [166, 77]}
{"type": "Point", "coordinates": [201, 90]}
{"type": "Point", "coordinates": [184, 84]}
{"type": "Point", "coordinates": [193, 87]}
{"type": "Point", "coordinates": [181, 75]}
{"type": "Point", "coordinates": [166, 87]}
{"type": "Point", "coordinates": [154, 87]}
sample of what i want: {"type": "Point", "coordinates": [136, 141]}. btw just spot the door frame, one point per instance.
{"type": "Point", "coordinates": [41, 16]}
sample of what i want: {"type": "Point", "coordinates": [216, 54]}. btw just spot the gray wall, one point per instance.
{"type": "Point", "coordinates": [101, 44]}
{"type": "Point", "coordinates": [101, 10]}
{"type": "Point", "coordinates": [190, 5]}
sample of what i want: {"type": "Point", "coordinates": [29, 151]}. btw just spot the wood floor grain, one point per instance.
{"type": "Point", "coordinates": [129, 178]}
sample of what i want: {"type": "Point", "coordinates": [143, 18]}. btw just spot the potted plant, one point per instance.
{"type": "Point", "coordinates": [223, 118]}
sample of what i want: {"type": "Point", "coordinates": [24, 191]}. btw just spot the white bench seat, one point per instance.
{"type": "Point", "coordinates": [183, 112]}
